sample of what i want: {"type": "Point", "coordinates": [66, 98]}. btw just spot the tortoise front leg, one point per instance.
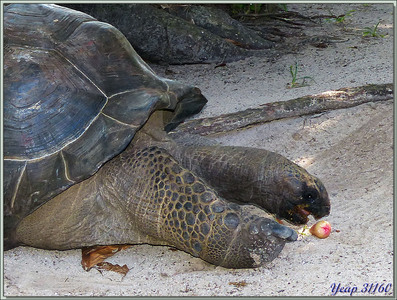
{"type": "Point", "coordinates": [145, 196]}
{"type": "Point", "coordinates": [261, 177]}
{"type": "Point", "coordinates": [174, 205]}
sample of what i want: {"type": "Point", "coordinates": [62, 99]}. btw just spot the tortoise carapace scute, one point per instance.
{"type": "Point", "coordinates": [75, 93]}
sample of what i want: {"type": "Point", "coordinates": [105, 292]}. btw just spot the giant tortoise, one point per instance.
{"type": "Point", "coordinates": [88, 158]}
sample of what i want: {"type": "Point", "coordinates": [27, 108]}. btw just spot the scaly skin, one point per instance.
{"type": "Point", "coordinates": [145, 196]}
{"type": "Point", "coordinates": [161, 193]}
{"type": "Point", "coordinates": [258, 176]}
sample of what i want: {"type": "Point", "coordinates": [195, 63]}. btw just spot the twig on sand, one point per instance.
{"type": "Point", "coordinates": [307, 105]}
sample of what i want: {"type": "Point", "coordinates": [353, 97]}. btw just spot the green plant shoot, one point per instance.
{"type": "Point", "coordinates": [372, 31]}
{"type": "Point", "coordinates": [298, 81]}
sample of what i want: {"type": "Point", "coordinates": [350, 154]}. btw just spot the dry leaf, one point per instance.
{"type": "Point", "coordinates": [238, 284]}
{"type": "Point", "coordinates": [106, 266]}
{"type": "Point", "coordinates": [92, 256]}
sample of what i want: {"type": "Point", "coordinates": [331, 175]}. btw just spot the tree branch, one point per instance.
{"type": "Point", "coordinates": [307, 105]}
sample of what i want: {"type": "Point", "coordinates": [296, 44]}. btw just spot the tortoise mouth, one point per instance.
{"type": "Point", "coordinates": [300, 213]}
{"type": "Point", "coordinates": [304, 213]}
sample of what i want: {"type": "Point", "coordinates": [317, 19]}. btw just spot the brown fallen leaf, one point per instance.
{"type": "Point", "coordinates": [95, 255]}
{"type": "Point", "coordinates": [238, 284]}
{"type": "Point", "coordinates": [106, 266]}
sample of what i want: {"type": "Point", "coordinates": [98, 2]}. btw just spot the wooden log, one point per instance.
{"type": "Point", "coordinates": [307, 105]}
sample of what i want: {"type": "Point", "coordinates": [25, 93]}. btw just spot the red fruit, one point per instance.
{"type": "Point", "coordinates": [322, 229]}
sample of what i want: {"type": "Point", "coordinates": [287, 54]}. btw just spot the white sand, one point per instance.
{"type": "Point", "coordinates": [351, 150]}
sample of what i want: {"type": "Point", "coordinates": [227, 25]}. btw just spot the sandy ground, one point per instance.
{"type": "Point", "coordinates": [351, 150]}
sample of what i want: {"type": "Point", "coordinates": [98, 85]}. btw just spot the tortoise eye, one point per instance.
{"type": "Point", "coordinates": [310, 195]}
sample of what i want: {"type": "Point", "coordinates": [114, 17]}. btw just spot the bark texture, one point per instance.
{"type": "Point", "coordinates": [307, 105]}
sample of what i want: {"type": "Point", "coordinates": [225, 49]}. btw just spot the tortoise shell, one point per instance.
{"type": "Point", "coordinates": [75, 94]}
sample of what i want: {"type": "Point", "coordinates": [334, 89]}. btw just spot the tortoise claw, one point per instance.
{"type": "Point", "coordinates": [284, 232]}
{"type": "Point", "coordinates": [270, 227]}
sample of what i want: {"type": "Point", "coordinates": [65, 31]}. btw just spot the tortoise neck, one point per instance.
{"type": "Point", "coordinates": [153, 134]}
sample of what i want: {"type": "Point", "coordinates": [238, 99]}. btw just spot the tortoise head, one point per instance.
{"type": "Point", "coordinates": [303, 194]}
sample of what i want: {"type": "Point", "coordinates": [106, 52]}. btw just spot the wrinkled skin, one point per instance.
{"type": "Point", "coordinates": [249, 175]}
